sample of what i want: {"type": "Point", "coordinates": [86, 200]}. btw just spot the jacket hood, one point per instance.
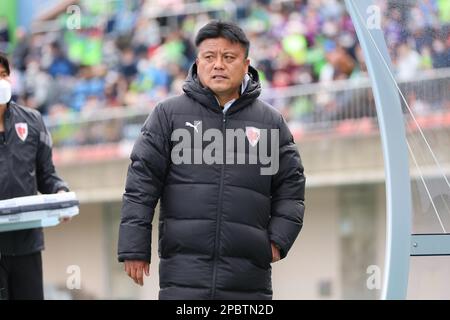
{"type": "Point", "coordinates": [205, 96]}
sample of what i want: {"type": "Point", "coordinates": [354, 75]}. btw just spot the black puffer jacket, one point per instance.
{"type": "Point", "coordinates": [26, 167]}
{"type": "Point", "coordinates": [216, 221]}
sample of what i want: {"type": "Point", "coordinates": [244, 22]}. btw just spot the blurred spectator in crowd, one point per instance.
{"type": "Point", "coordinates": [21, 49]}
{"type": "Point", "coordinates": [4, 34]}
{"type": "Point", "coordinates": [441, 54]}
{"type": "Point", "coordinates": [90, 88]}
{"type": "Point", "coordinates": [38, 87]}
{"type": "Point", "coordinates": [418, 106]}
{"type": "Point", "coordinates": [128, 65]}
{"type": "Point", "coordinates": [60, 64]}
{"type": "Point", "coordinates": [407, 62]}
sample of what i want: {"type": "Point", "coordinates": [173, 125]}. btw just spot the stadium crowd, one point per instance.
{"type": "Point", "coordinates": [136, 52]}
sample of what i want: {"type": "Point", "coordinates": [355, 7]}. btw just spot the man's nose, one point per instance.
{"type": "Point", "coordinates": [218, 64]}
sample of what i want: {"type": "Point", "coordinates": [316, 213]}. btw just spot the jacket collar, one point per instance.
{"type": "Point", "coordinates": [7, 113]}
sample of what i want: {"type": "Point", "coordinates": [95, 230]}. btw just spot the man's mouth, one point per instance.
{"type": "Point", "coordinates": [219, 77]}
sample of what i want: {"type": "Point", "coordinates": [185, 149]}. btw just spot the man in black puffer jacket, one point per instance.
{"type": "Point", "coordinates": [26, 167]}
{"type": "Point", "coordinates": [227, 210]}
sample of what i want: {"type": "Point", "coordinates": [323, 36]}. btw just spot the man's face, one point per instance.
{"type": "Point", "coordinates": [221, 65]}
{"type": "Point", "coordinates": [4, 74]}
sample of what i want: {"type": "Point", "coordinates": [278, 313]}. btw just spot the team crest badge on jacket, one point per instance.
{"type": "Point", "coordinates": [253, 134]}
{"type": "Point", "coordinates": [22, 130]}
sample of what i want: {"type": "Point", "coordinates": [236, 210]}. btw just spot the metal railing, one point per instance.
{"type": "Point", "coordinates": [326, 106]}
{"type": "Point", "coordinates": [313, 108]}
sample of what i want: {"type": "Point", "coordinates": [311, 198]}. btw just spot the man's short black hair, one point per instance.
{"type": "Point", "coordinates": [4, 62]}
{"type": "Point", "coordinates": [223, 29]}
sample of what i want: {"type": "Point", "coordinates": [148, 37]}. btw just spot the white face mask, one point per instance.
{"type": "Point", "coordinates": [5, 91]}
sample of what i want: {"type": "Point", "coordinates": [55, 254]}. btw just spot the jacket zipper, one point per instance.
{"type": "Point", "coordinates": [219, 213]}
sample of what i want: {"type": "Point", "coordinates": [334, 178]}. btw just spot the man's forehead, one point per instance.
{"type": "Point", "coordinates": [220, 44]}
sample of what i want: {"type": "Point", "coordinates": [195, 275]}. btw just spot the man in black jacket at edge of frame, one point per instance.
{"type": "Point", "coordinates": [26, 167]}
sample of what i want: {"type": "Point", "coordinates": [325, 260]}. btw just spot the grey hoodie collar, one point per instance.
{"type": "Point", "coordinates": [243, 87]}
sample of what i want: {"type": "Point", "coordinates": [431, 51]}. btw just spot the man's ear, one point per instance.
{"type": "Point", "coordinates": [196, 60]}
{"type": "Point", "coordinates": [247, 63]}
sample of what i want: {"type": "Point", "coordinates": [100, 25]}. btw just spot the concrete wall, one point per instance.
{"type": "Point", "coordinates": [78, 243]}
{"type": "Point", "coordinates": [314, 259]}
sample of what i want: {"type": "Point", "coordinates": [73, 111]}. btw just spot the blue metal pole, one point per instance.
{"type": "Point", "coordinates": [392, 129]}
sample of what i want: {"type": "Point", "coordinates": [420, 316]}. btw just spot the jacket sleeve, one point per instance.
{"type": "Point", "coordinates": [288, 193]}
{"type": "Point", "coordinates": [47, 179]}
{"type": "Point", "coordinates": [150, 160]}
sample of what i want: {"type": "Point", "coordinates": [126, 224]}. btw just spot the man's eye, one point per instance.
{"type": "Point", "coordinates": [229, 59]}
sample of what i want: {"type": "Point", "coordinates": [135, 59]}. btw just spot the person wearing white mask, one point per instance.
{"type": "Point", "coordinates": [26, 168]}
{"type": "Point", "coordinates": [5, 93]}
